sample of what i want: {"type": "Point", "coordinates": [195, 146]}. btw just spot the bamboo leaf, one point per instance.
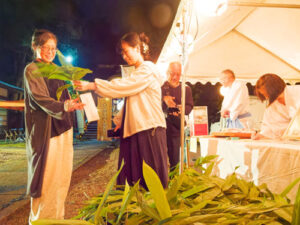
{"type": "Point", "coordinates": [289, 187]}
{"type": "Point", "coordinates": [203, 160]}
{"type": "Point", "coordinates": [135, 219]}
{"type": "Point", "coordinates": [296, 210]}
{"type": "Point", "coordinates": [60, 76]}
{"type": "Point", "coordinates": [66, 72]}
{"type": "Point", "coordinates": [229, 181]}
{"type": "Point", "coordinates": [150, 212]}
{"type": "Point", "coordinates": [209, 194]}
{"type": "Point", "coordinates": [196, 189]}
{"type": "Point", "coordinates": [253, 193]}
{"type": "Point", "coordinates": [209, 169]}
{"type": "Point", "coordinates": [185, 213]}
{"type": "Point", "coordinates": [174, 187]}
{"type": "Point", "coordinates": [284, 214]}
{"type": "Point", "coordinates": [105, 195]}
{"type": "Point", "coordinates": [157, 191]}
{"type": "Point", "coordinates": [60, 90]}
{"type": "Point", "coordinates": [243, 186]}
{"type": "Point", "coordinates": [128, 193]}
{"type": "Point", "coordinates": [211, 218]}
{"type": "Point", "coordinates": [80, 73]}
{"type": "Point", "coordinates": [44, 70]}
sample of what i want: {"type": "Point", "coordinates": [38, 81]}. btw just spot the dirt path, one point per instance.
{"type": "Point", "coordinates": [87, 181]}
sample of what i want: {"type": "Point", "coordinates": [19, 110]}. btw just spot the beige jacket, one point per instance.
{"type": "Point", "coordinates": [143, 91]}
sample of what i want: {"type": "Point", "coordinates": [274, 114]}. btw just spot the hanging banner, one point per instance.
{"type": "Point", "coordinates": [105, 121]}
{"type": "Point", "coordinates": [90, 108]}
{"type": "Point", "coordinates": [199, 121]}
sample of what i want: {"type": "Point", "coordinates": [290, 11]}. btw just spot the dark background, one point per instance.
{"type": "Point", "coordinates": [89, 30]}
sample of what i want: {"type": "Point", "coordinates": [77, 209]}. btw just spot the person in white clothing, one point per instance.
{"type": "Point", "coordinates": [143, 125]}
{"type": "Point", "coordinates": [236, 101]}
{"type": "Point", "coordinates": [283, 104]}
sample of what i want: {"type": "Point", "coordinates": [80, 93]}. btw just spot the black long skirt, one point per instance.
{"type": "Point", "coordinates": [149, 146]}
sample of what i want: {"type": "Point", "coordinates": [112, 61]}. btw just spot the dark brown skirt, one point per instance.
{"type": "Point", "coordinates": [149, 146]}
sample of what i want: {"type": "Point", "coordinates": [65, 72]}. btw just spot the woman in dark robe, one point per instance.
{"type": "Point", "coordinates": [143, 127]}
{"type": "Point", "coordinates": [49, 134]}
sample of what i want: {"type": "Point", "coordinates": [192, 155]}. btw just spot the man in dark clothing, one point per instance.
{"type": "Point", "coordinates": [171, 96]}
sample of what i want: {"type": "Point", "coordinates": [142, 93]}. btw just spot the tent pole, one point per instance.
{"type": "Point", "coordinates": [183, 79]}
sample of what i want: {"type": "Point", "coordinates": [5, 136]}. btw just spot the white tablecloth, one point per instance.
{"type": "Point", "coordinates": [276, 163]}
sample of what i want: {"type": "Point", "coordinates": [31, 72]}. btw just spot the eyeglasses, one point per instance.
{"type": "Point", "coordinates": [47, 49]}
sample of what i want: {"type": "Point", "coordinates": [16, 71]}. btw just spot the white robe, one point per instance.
{"type": "Point", "coordinates": [236, 99]}
{"type": "Point", "coordinates": [278, 116]}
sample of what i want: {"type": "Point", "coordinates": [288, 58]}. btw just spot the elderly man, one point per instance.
{"type": "Point", "coordinates": [171, 96]}
{"type": "Point", "coordinates": [236, 101]}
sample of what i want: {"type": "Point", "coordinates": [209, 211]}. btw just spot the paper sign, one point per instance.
{"type": "Point", "coordinates": [90, 108]}
{"type": "Point", "coordinates": [293, 130]}
{"type": "Point", "coordinates": [193, 144]}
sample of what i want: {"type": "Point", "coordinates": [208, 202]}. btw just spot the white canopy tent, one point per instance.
{"type": "Point", "coordinates": [251, 37]}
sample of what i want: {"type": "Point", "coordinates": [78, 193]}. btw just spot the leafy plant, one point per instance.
{"type": "Point", "coordinates": [65, 72]}
{"type": "Point", "coordinates": [193, 197]}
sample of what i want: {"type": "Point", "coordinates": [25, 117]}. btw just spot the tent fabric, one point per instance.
{"type": "Point", "coordinates": [251, 41]}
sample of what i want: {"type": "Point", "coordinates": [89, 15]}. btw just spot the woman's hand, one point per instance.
{"type": "Point", "coordinates": [169, 100]}
{"type": "Point", "coordinates": [73, 104]}
{"type": "Point", "coordinates": [84, 85]}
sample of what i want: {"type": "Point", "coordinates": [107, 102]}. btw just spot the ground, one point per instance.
{"type": "Point", "coordinates": [88, 180]}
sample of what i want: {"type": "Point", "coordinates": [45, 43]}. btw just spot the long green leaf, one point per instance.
{"type": "Point", "coordinates": [229, 181]}
{"type": "Point", "coordinates": [243, 186]}
{"type": "Point", "coordinates": [60, 90]}
{"type": "Point", "coordinates": [196, 189]}
{"type": "Point", "coordinates": [157, 191]}
{"type": "Point", "coordinates": [174, 187]}
{"type": "Point", "coordinates": [108, 189]}
{"type": "Point", "coordinates": [128, 193]}
{"type": "Point", "coordinates": [80, 73]}
{"type": "Point", "coordinates": [60, 76]}
{"type": "Point", "coordinates": [209, 169]}
{"type": "Point", "coordinates": [289, 187]}
{"type": "Point", "coordinates": [296, 210]}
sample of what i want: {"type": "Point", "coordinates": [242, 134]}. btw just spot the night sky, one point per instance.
{"type": "Point", "coordinates": [89, 30]}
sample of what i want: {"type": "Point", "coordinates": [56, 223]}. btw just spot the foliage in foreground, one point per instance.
{"type": "Point", "coordinates": [193, 197]}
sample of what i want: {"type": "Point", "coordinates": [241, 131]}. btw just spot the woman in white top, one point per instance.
{"type": "Point", "coordinates": [143, 135]}
{"type": "Point", "coordinates": [283, 103]}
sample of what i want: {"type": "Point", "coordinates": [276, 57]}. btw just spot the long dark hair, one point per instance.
{"type": "Point", "coordinates": [273, 86]}
{"type": "Point", "coordinates": [134, 39]}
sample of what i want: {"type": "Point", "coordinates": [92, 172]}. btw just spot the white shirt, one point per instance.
{"type": "Point", "coordinates": [278, 116]}
{"type": "Point", "coordinates": [143, 91]}
{"type": "Point", "coordinates": [236, 99]}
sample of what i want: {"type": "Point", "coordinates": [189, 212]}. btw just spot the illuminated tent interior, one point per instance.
{"type": "Point", "coordinates": [251, 37]}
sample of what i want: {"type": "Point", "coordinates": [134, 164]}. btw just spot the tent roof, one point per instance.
{"type": "Point", "coordinates": [251, 41]}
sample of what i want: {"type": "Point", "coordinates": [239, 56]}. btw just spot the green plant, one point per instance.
{"type": "Point", "coordinates": [65, 72]}
{"type": "Point", "coordinates": [193, 197]}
